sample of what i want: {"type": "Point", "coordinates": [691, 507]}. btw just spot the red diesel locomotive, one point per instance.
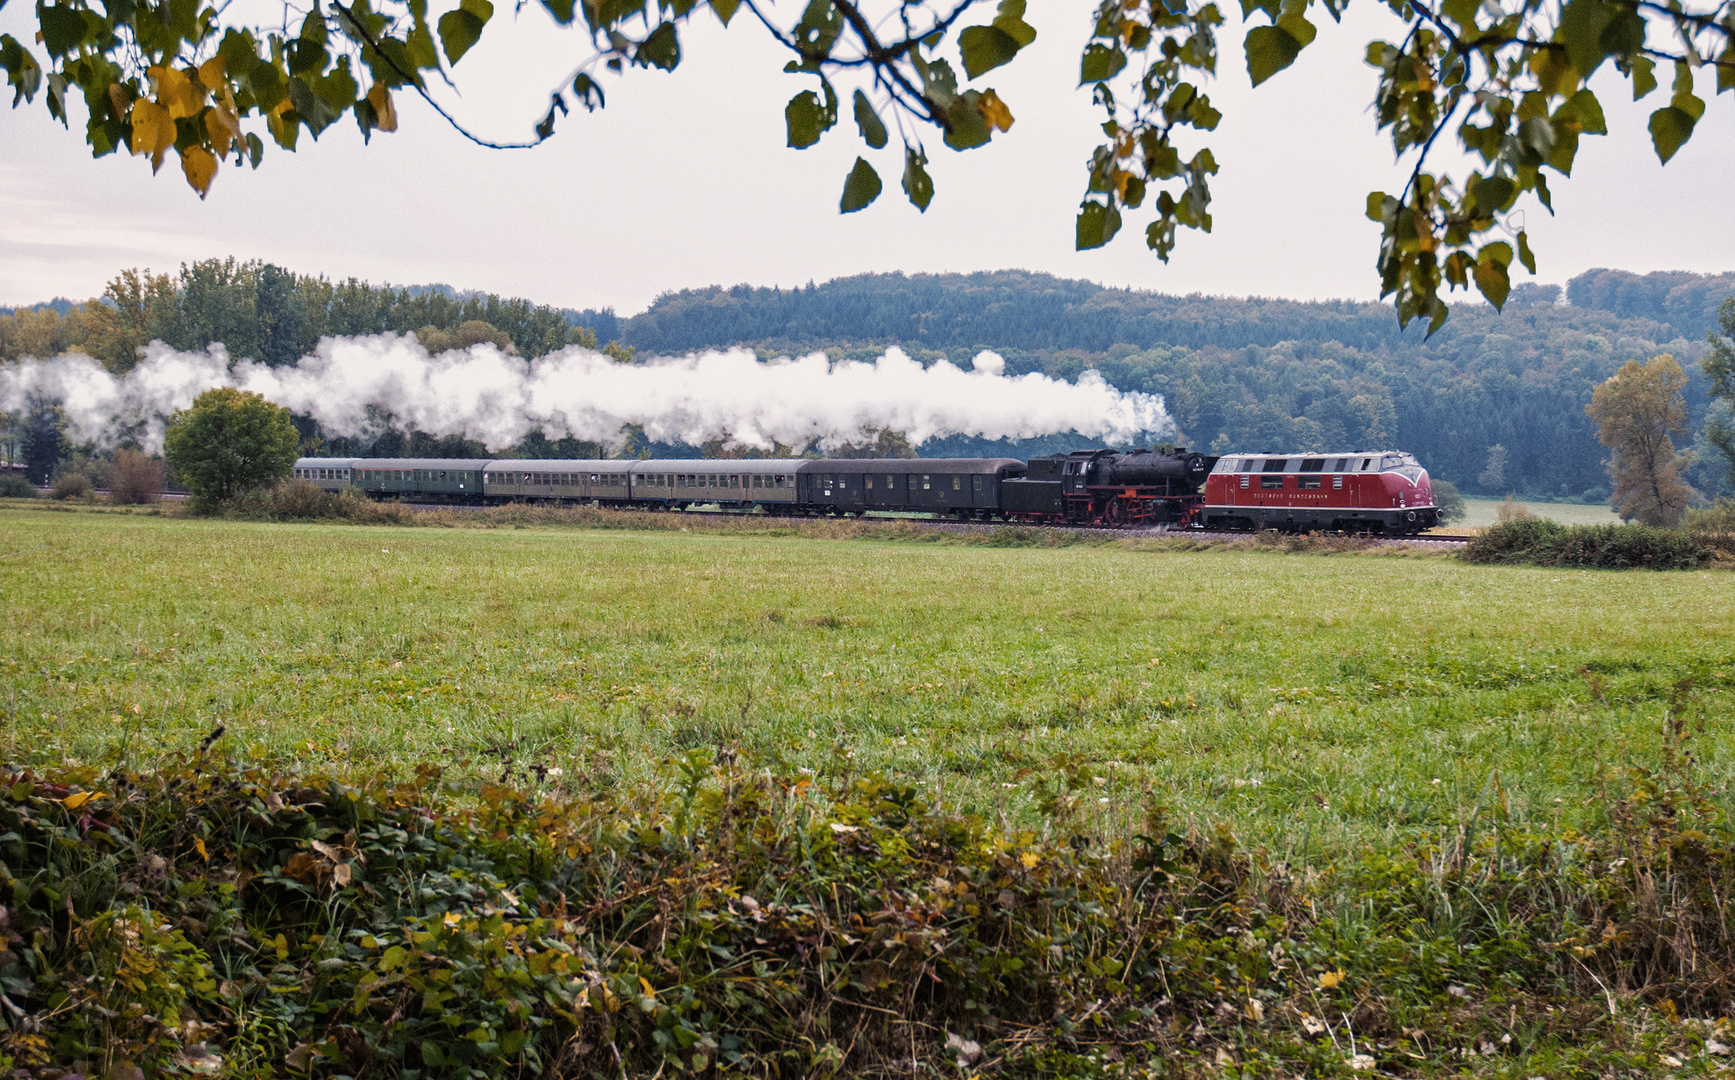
{"type": "Point", "coordinates": [1380, 492]}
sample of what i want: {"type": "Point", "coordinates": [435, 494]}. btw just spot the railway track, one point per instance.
{"type": "Point", "coordinates": [989, 526]}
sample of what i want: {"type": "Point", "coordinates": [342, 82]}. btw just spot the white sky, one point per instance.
{"type": "Point", "coordinates": [684, 181]}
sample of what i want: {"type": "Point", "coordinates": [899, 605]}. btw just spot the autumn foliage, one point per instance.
{"type": "Point", "coordinates": [1639, 412]}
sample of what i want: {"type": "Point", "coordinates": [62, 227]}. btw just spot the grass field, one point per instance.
{"type": "Point", "coordinates": [1316, 703]}
{"type": "Point", "coordinates": [1481, 513]}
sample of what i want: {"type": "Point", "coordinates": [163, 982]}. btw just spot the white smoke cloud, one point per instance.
{"type": "Point", "coordinates": [487, 395]}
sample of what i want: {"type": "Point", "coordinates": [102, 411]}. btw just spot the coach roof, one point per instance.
{"type": "Point", "coordinates": [907, 466]}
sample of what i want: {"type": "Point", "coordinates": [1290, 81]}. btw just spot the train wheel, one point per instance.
{"type": "Point", "coordinates": [1114, 514]}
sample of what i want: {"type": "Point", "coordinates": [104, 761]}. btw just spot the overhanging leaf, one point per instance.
{"type": "Point", "coordinates": [1525, 255]}
{"type": "Point", "coordinates": [385, 111]}
{"type": "Point", "coordinates": [584, 87]}
{"type": "Point", "coordinates": [312, 110]}
{"type": "Point", "coordinates": [462, 28]}
{"type": "Point", "coordinates": [802, 118]}
{"type": "Point", "coordinates": [200, 168]}
{"type": "Point", "coordinates": [1100, 63]}
{"type": "Point", "coordinates": [1011, 20]}
{"type": "Point", "coordinates": [985, 48]}
{"type": "Point", "coordinates": [153, 129]}
{"type": "Point", "coordinates": [1097, 224]}
{"type": "Point", "coordinates": [1644, 76]}
{"type": "Point", "coordinates": [1269, 49]}
{"type": "Point", "coordinates": [1581, 25]}
{"type": "Point", "coordinates": [661, 50]}
{"type": "Point", "coordinates": [1492, 281]}
{"type": "Point", "coordinates": [918, 185]}
{"type": "Point", "coordinates": [860, 188]}
{"type": "Point", "coordinates": [966, 127]}
{"type": "Point", "coordinates": [63, 29]}
{"type": "Point", "coordinates": [23, 73]}
{"type": "Point", "coordinates": [1670, 130]}
{"type": "Point", "coordinates": [873, 131]}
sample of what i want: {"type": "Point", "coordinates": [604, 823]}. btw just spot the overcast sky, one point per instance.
{"type": "Point", "coordinates": [684, 181]}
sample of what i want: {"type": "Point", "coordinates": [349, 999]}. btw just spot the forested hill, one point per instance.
{"type": "Point", "coordinates": [1021, 310]}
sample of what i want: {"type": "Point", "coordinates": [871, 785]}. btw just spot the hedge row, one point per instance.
{"type": "Point", "coordinates": [1537, 542]}
{"type": "Point", "coordinates": [221, 918]}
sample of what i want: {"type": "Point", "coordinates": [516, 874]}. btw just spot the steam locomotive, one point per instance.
{"type": "Point", "coordinates": [1375, 492]}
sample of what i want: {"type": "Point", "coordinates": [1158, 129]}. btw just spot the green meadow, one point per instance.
{"type": "Point", "coordinates": [1315, 703]}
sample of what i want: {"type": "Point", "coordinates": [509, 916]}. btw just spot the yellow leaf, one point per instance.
{"type": "Point", "coordinates": [649, 992]}
{"type": "Point", "coordinates": [224, 127]}
{"type": "Point", "coordinates": [451, 918]}
{"type": "Point", "coordinates": [200, 845]}
{"type": "Point", "coordinates": [274, 118]}
{"type": "Point", "coordinates": [1329, 979]}
{"type": "Point", "coordinates": [1030, 859]}
{"type": "Point", "coordinates": [176, 92]}
{"type": "Point", "coordinates": [79, 798]}
{"type": "Point", "coordinates": [200, 167]}
{"type": "Point", "coordinates": [994, 111]}
{"type": "Point", "coordinates": [153, 131]}
{"type": "Point", "coordinates": [211, 73]}
{"type": "Point", "coordinates": [385, 112]}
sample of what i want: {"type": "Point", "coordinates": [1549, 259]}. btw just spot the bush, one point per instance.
{"type": "Point", "coordinates": [13, 485]}
{"type": "Point", "coordinates": [303, 500]}
{"type": "Point", "coordinates": [768, 922]}
{"type": "Point", "coordinates": [72, 485]}
{"type": "Point", "coordinates": [135, 477]}
{"type": "Point", "coordinates": [1511, 509]}
{"type": "Point", "coordinates": [1450, 502]}
{"type": "Point", "coordinates": [1534, 542]}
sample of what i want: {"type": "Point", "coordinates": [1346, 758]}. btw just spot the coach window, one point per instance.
{"type": "Point", "coordinates": [976, 484]}
{"type": "Point", "coordinates": [1313, 464]}
{"type": "Point", "coordinates": [1366, 463]}
{"type": "Point", "coordinates": [925, 484]}
{"type": "Point", "coordinates": [1308, 482]}
{"type": "Point", "coordinates": [1271, 483]}
{"type": "Point", "coordinates": [1276, 464]}
{"type": "Point", "coordinates": [957, 483]}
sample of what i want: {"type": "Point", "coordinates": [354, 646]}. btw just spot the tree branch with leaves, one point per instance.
{"type": "Point", "coordinates": [1507, 78]}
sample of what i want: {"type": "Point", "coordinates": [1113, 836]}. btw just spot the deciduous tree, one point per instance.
{"type": "Point", "coordinates": [1719, 366]}
{"type": "Point", "coordinates": [229, 441]}
{"type": "Point", "coordinates": [1638, 412]}
{"type": "Point", "coordinates": [1507, 78]}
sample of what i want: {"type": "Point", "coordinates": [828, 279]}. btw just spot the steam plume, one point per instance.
{"type": "Point", "coordinates": [484, 394]}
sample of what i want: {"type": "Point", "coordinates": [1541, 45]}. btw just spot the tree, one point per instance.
{"type": "Point", "coordinates": [1719, 366]}
{"type": "Point", "coordinates": [44, 442]}
{"type": "Point", "coordinates": [1507, 77]}
{"type": "Point", "coordinates": [1637, 412]}
{"type": "Point", "coordinates": [1493, 474]}
{"type": "Point", "coordinates": [228, 442]}
{"type": "Point", "coordinates": [282, 316]}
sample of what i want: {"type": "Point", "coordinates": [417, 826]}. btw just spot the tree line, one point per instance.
{"type": "Point", "coordinates": [264, 312]}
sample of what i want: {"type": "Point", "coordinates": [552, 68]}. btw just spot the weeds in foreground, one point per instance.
{"type": "Point", "coordinates": [745, 919]}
